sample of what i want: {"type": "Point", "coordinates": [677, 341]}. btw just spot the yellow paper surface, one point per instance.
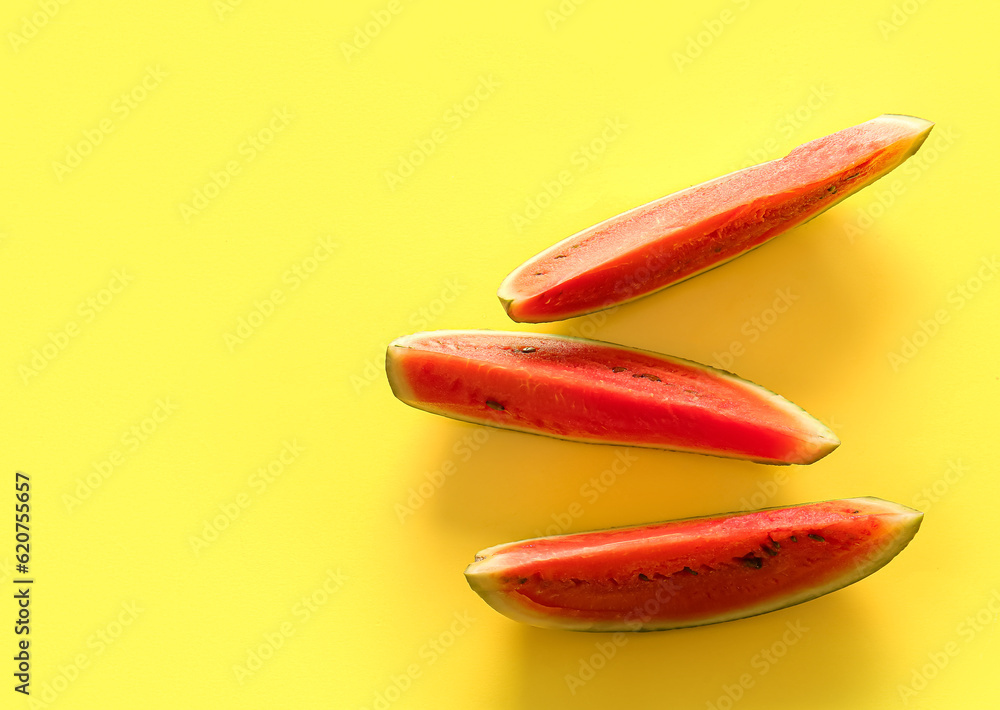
{"type": "Point", "coordinates": [216, 215]}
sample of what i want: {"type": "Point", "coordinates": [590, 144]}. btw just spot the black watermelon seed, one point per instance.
{"type": "Point", "coordinates": [688, 569]}
{"type": "Point", "coordinates": [832, 189]}
{"type": "Point", "coordinates": [643, 577]}
{"type": "Point", "coordinates": [618, 369]}
{"type": "Point", "coordinates": [768, 550]}
{"type": "Point", "coordinates": [528, 349]}
{"type": "Point", "coordinates": [793, 538]}
{"type": "Point", "coordinates": [817, 538]}
{"type": "Point", "coordinates": [561, 256]}
{"type": "Point", "coordinates": [753, 562]}
{"type": "Point", "coordinates": [522, 580]}
{"type": "Point", "coordinates": [494, 405]}
{"type": "Point", "coordinates": [855, 511]}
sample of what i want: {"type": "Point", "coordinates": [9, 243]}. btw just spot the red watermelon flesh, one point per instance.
{"type": "Point", "coordinates": [688, 232]}
{"type": "Point", "coordinates": [692, 572]}
{"type": "Point", "coordinates": [597, 392]}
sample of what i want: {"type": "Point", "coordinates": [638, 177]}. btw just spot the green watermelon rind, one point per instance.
{"type": "Point", "coordinates": [817, 439]}
{"type": "Point", "coordinates": [483, 580]}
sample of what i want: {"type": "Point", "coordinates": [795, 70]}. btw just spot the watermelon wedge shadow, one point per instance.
{"type": "Point", "coordinates": [600, 393]}
{"type": "Point", "coordinates": [692, 572]}
{"type": "Point", "coordinates": [686, 233]}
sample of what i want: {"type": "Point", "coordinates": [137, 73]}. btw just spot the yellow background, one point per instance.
{"type": "Point", "coordinates": [165, 562]}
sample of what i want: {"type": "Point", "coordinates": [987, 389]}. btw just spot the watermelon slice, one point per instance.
{"type": "Point", "coordinates": [684, 234]}
{"type": "Point", "coordinates": [692, 572]}
{"type": "Point", "coordinates": [596, 392]}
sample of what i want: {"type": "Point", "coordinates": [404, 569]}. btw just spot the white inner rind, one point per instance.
{"type": "Point", "coordinates": [485, 574]}
{"type": "Point", "coordinates": [816, 439]}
